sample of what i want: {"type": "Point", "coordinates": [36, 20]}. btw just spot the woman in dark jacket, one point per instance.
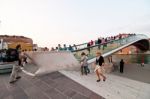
{"type": "Point", "coordinates": [99, 65]}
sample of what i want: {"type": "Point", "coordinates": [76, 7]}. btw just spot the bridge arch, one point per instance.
{"type": "Point", "coordinates": [142, 44]}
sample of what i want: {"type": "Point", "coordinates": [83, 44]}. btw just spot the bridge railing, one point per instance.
{"type": "Point", "coordinates": [106, 47]}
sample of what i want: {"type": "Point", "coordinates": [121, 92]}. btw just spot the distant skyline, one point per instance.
{"type": "Point", "coordinates": [52, 22]}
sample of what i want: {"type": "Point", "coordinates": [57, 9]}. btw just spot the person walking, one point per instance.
{"type": "Point", "coordinates": [99, 63]}
{"type": "Point", "coordinates": [59, 47]}
{"type": "Point", "coordinates": [99, 41]}
{"type": "Point", "coordinates": [121, 66]}
{"type": "Point", "coordinates": [70, 48]}
{"type": "Point", "coordinates": [110, 59]}
{"type": "Point", "coordinates": [16, 67]}
{"type": "Point", "coordinates": [65, 48]}
{"type": "Point", "coordinates": [88, 47]}
{"type": "Point", "coordinates": [142, 61]}
{"type": "Point", "coordinates": [84, 64]}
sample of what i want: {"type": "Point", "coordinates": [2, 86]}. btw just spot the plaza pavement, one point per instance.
{"type": "Point", "coordinates": [51, 86]}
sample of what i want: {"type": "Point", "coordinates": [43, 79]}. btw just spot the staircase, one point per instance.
{"type": "Point", "coordinates": [115, 87]}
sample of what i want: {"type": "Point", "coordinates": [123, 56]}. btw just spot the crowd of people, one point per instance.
{"type": "Point", "coordinates": [64, 48]}
{"type": "Point", "coordinates": [99, 62]}
{"type": "Point", "coordinates": [100, 41]}
{"type": "Point", "coordinates": [103, 41]}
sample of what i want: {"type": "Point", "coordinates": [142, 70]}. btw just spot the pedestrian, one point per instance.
{"type": "Point", "coordinates": [59, 47]}
{"type": "Point", "coordinates": [84, 64]}
{"type": "Point", "coordinates": [16, 67]}
{"type": "Point", "coordinates": [23, 58]}
{"type": "Point", "coordinates": [99, 41]}
{"type": "Point", "coordinates": [52, 49]}
{"type": "Point", "coordinates": [121, 66]}
{"type": "Point", "coordinates": [92, 43]}
{"type": "Point", "coordinates": [110, 59]}
{"type": "Point", "coordinates": [56, 48]}
{"type": "Point", "coordinates": [75, 47]}
{"type": "Point", "coordinates": [88, 47]}
{"type": "Point", "coordinates": [70, 48]}
{"type": "Point", "coordinates": [65, 48]}
{"type": "Point", "coordinates": [142, 61]}
{"type": "Point", "coordinates": [99, 64]}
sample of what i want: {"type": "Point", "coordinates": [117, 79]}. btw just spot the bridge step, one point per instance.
{"type": "Point", "coordinates": [114, 87]}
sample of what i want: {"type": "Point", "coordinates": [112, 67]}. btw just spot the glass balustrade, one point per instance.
{"type": "Point", "coordinates": [106, 47]}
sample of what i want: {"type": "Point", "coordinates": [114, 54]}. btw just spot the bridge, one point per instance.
{"type": "Point", "coordinates": [140, 41]}
{"type": "Point", "coordinates": [58, 60]}
{"type": "Point", "coordinates": [115, 87]}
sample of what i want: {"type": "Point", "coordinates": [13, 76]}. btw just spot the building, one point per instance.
{"type": "Point", "coordinates": [3, 45]}
{"type": "Point", "coordinates": [12, 41]}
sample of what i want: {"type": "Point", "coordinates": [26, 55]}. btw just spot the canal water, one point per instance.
{"type": "Point", "coordinates": [132, 58]}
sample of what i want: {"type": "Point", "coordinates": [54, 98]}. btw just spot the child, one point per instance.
{"type": "Point", "coordinates": [84, 64]}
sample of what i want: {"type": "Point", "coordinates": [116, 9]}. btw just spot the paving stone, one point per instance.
{"type": "Point", "coordinates": [61, 88]}
{"type": "Point", "coordinates": [20, 95]}
{"type": "Point", "coordinates": [95, 96]}
{"type": "Point", "coordinates": [62, 80]}
{"type": "Point", "coordinates": [79, 96]}
{"type": "Point", "coordinates": [55, 75]}
{"type": "Point", "coordinates": [8, 97]}
{"type": "Point", "coordinates": [23, 83]}
{"type": "Point", "coordinates": [14, 89]}
{"type": "Point", "coordinates": [4, 93]}
{"type": "Point", "coordinates": [70, 93]}
{"type": "Point", "coordinates": [42, 85]}
{"type": "Point", "coordinates": [54, 94]}
{"type": "Point", "coordinates": [51, 86]}
{"type": "Point", "coordinates": [35, 93]}
{"type": "Point", "coordinates": [50, 82]}
{"type": "Point", "coordinates": [30, 78]}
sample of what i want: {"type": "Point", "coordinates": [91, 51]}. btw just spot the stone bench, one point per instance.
{"type": "Point", "coordinates": [6, 67]}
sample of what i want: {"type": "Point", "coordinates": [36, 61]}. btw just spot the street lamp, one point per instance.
{"type": "Point", "coordinates": [1, 40]}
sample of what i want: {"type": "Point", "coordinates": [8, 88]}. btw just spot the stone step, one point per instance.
{"type": "Point", "coordinates": [115, 87]}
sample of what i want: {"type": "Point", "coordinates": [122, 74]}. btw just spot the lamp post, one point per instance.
{"type": "Point", "coordinates": [1, 41]}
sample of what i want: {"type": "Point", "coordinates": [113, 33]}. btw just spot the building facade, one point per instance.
{"type": "Point", "coordinates": [12, 41]}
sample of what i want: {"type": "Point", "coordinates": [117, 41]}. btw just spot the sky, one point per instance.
{"type": "Point", "coordinates": [52, 22]}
